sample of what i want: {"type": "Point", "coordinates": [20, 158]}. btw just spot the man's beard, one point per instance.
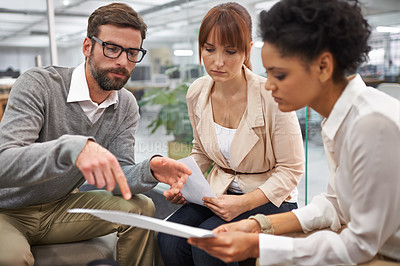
{"type": "Point", "coordinates": [106, 83]}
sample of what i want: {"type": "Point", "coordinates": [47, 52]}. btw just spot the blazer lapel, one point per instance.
{"type": "Point", "coordinates": [205, 127]}
{"type": "Point", "coordinates": [253, 117]}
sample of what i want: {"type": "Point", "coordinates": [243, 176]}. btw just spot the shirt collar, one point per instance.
{"type": "Point", "coordinates": [342, 107]}
{"type": "Point", "coordinates": [79, 90]}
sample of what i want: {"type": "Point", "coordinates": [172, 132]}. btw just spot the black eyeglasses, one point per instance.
{"type": "Point", "coordinates": [111, 50]}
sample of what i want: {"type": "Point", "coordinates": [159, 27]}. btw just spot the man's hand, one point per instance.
{"type": "Point", "coordinates": [171, 172]}
{"type": "Point", "coordinates": [101, 168]}
{"type": "Point", "coordinates": [229, 246]}
{"type": "Point", "coordinates": [226, 207]}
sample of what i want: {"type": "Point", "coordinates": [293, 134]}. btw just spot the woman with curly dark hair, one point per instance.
{"type": "Point", "coordinates": [310, 48]}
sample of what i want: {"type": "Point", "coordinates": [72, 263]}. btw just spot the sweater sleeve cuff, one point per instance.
{"type": "Point", "coordinates": [77, 145]}
{"type": "Point", "coordinates": [149, 177]}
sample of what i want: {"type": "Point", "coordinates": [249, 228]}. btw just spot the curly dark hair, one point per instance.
{"type": "Point", "coordinates": [306, 28]}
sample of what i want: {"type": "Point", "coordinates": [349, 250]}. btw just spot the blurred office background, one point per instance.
{"type": "Point", "coordinates": [44, 32]}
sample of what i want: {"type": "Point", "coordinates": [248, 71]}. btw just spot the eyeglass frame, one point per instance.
{"type": "Point", "coordinates": [126, 50]}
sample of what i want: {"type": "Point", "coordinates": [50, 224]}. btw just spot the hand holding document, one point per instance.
{"type": "Point", "coordinates": [196, 186]}
{"type": "Point", "coordinates": [147, 222]}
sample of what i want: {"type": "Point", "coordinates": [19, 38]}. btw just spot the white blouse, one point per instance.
{"type": "Point", "coordinates": [362, 144]}
{"type": "Point", "coordinates": [225, 136]}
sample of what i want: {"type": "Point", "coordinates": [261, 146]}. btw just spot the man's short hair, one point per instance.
{"type": "Point", "coordinates": [117, 14]}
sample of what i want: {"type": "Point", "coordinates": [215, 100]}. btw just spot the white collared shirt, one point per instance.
{"type": "Point", "coordinates": [362, 145]}
{"type": "Point", "coordinates": [79, 92]}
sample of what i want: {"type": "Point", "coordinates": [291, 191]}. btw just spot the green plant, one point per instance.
{"type": "Point", "coordinates": [173, 115]}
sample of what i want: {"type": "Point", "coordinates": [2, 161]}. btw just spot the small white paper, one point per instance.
{"type": "Point", "coordinates": [196, 186]}
{"type": "Point", "coordinates": [147, 222]}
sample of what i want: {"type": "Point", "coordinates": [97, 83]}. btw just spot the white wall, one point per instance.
{"type": "Point", "coordinates": [256, 61]}
{"type": "Point", "coordinates": [22, 59]}
{"type": "Point", "coordinates": [70, 57]}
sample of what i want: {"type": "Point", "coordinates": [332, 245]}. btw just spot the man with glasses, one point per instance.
{"type": "Point", "coordinates": [111, 50]}
{"type": "Point", "coordinates": [65, 126]}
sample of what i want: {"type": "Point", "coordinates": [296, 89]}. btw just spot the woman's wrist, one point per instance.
{"type": "Point", "coordinates": [253, 226]}
{"type": "Point", "coordinates": [264, 223]}
{"type": "Point", "coordinates": [254, 199]}
{"type": "Point", "coordinates": [246, 202]}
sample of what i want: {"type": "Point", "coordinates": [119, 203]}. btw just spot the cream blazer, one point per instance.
{"type": "Point", "coordinates": [266, 140]}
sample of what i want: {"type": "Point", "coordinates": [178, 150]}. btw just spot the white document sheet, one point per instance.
{"type": "Point", "coordinates": [196, 186]}
{"type": "Point", "coordinates": [147, 222]}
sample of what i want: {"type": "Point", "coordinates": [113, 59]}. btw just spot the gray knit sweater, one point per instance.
{"type": "Point", "coordinates": [41, 135]}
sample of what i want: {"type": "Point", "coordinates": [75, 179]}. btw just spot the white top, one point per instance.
{"type": "Point", "coordinates": [79, 92]}
{"type": "Point", "coordinates": [225, 136]}
{"type": "Point", "coordinates": [362, 143]}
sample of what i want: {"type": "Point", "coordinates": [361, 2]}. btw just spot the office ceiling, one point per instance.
{"type": "Point", "coordinates": [23, 23]}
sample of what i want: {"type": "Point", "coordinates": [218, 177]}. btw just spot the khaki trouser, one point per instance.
{"type": "Point", "coordinates": [51, 224]}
